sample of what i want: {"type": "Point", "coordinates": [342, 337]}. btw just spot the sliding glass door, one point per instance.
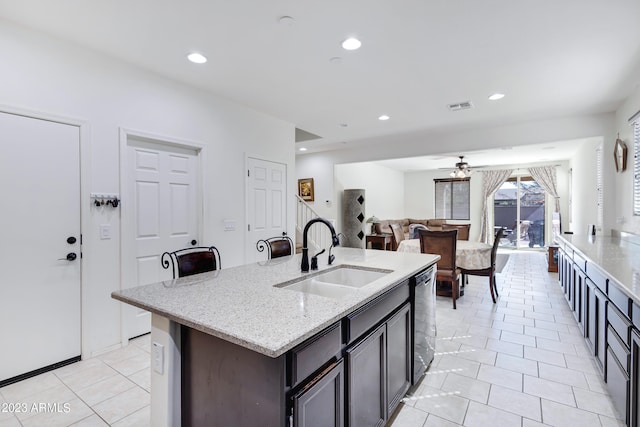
{"type": "Point", "coordinates": [519, 208]}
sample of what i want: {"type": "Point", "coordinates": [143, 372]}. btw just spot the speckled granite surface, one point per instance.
{"type": "Point", "coordinates": [619, 257]}
{"type": "Point", "coordinates": [241, 304]}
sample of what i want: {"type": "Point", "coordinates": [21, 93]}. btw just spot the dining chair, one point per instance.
{"type": "Point", "coordinates": [491, 270]}
{"type": "Point", "coordinates": [443, 243]}
{"type": "Point", "coordinates": [463, 230]}
{"type": "Point", "coordinates": [190, 261]}
{"type": "Point", "coordinates": [276, 247]}
{"type": "Point", "coordinates": [398, 235]}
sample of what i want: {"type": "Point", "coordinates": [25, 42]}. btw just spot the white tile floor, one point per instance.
{"type": "Point", "coordinates": [520, 362]}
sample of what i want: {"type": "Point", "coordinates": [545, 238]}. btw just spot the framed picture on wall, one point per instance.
{"type": "Point", "coordinates": [305, 189]}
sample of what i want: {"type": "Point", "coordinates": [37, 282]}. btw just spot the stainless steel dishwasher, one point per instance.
{"type": "Point", "coordinates": [423, 321]}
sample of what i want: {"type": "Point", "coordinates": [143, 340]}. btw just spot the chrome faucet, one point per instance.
{"type": "Point", "coordinates": [304, 266]}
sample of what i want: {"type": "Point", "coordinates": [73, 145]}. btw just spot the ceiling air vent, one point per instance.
{"type": "Point", "coordinates": [461, 106]}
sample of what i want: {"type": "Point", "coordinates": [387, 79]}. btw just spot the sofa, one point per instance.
{"type": "Point", "coordinates": [384, 226]}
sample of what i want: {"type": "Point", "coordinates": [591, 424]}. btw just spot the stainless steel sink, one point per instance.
{"type": "Point", "coordinates": [335, 283]}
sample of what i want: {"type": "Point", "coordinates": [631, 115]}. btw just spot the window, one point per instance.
{"type": "Point", "coordinates": [635, 120]}
{"type": "Point", "coordinates": [452, 198]}
{"type": "Point", "coordinates": [599, 188]}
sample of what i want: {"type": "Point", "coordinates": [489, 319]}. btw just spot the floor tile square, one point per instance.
{"type": "Point", "coordinates": [502, 377]}
{"type": "Point", "coordinates": [482, 415]}
{"type": "Point", "coordinates": [515, 402]}
{"type": "Point", "coordinates": [550, 390]}
{"type": "Point", "coordinates": [556, 414]}
{"type": "Point", "coordinates": [470, 388]}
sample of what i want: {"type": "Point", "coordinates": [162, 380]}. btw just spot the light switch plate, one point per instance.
{"type": "Point", "coordinates": [230, 225]}
{"type": "Point", "coordinates": [105, 231]}
{"type": "Point", "coordinates": [157, 358]}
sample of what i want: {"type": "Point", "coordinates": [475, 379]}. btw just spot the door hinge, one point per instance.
{"type": "Point", "coordinates": [248, 227]}
{"type": "Point", "coordinates": [248, 172]}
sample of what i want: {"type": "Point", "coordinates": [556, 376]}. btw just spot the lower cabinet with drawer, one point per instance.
{"type": "Point", "coordinates": [379, 369]}
{"type": "Point", "coordinates": [355, 372]}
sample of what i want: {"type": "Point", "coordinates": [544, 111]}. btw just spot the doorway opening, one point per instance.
{"type": "Point", "coordinates": [519, 208]}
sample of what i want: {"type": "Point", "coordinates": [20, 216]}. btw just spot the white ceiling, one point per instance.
{"type": "Point", "coordinates": [490, 158]}
{"type": "Point", "coordinates": [551, 58]}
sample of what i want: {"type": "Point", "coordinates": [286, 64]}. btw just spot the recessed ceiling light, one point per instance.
{"type": "Point", "coordinates": [496, 96]}
{"type": "Point", "coordinates": [383, 117]}
{"type": "Point", "coordinates": [302, 149]}
{"type": "Point", "coordinates": [343, 125]}
{"type": "Point", "coordinates": [351, 44]}
{"type": "Point", "coordinates": [197, 58]}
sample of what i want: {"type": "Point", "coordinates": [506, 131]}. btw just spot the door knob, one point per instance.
{"type": "Point", "coordinates": [194, 242]}
{"type": "Point", "coordinates": [71, 240]}
{"type": "Point", "coordinates": [70, 257]}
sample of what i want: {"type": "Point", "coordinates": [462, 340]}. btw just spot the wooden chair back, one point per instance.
{"type": "Point", "coordinates": [494, 248]}
{"type": "Point", "coordinates": [190, 261]}
{"type": "Point", "coordinates": [463, 230]}
{"type": "Point", "coordinates": [276, 247]}
{"type": "Point", "coordinates": [442, 243]}
{"type": "Point", "coordinates": [398, 234]}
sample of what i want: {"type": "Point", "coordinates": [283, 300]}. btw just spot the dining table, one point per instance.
{"type": "Point", "coordinates": [469, 255]}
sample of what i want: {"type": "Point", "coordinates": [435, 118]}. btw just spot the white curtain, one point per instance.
{"type": "Point", "coordinates": [492, 180]}
{"type": "Point", "coordinates": [546, 177]}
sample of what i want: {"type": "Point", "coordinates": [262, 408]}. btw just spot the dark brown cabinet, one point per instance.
{"type": "Point", "coordinates": [321, 402]}
{"type": "Point", "coordinates": [366, 392]}
{"type": "Point", "coordinates": [398, 357]}
{"type": "Point", "coordinates": [380, 371]}
{"type": "Point", "coordinates": [595, 303]}
{"type": "Point", "coordinates": [604, 313]}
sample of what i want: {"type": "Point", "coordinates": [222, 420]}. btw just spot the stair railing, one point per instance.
{"type": "Point", "coordinates": [318, 236]}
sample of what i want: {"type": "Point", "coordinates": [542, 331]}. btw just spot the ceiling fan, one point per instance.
{"type": "Point", "coordinates": [462, 169]}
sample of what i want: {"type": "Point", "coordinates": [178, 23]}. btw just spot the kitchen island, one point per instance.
{"type": "Point", "coordinates": [238, 348]}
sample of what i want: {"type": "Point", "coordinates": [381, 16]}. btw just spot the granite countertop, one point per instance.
{"type": "Point", "coordinates": [241, 304]}
{"type": "Point", "coordinates": [619, 257]}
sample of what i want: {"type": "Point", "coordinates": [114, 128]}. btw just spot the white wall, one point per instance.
{"type": "Point", "coordinates": [384, 189]}
{"type": "Point", "coordinates": [623, 182]}
{"type": "Point", "coordinates": [45, 75]}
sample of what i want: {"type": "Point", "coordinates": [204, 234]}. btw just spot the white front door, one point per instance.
{"type": "Point", "coordinates": [161, 207]}
{"type": "Point", "coordinates": [40, 287]}
{"type": "Point", "coordinates": [266, 204]}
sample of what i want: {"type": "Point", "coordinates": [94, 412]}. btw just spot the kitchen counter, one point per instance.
{"type": "Point", "coordinates": [241, 304]}
{"type": "Point", "coordinates": [619, 257]}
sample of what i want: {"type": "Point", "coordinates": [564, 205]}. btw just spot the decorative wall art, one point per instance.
{"type": "Point", "coordinates": [620, 155]}
{"type": "Point", "coordinates": [305, 189]}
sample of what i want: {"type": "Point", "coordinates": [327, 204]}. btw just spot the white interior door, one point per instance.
{"type": "Point", "coordinates": [266, 204]}
{"type": "Point", "coordinates": [161, 212]}
{"type": "Point", "coordinates": [40, 297]}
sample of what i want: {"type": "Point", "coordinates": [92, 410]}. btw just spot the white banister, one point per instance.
{"type": "Point", "coordinates": [319, 236]}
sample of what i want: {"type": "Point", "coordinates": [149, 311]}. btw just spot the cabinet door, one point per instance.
{"type": "Point", "coordinates": [601, 326]}
{"type": "Point", "coordinates": [366, 390]}
{"type": "Point", "coordinates": [578, 311]}
{"type": "Point", "coordinates": [589, 314]}
{"type": "Point", "coordinates": [398, 356]}
{"type": "Point", "coordinates": [321, 402]}
{"type": "Point", "coordinates": [618, 385]}
{"type": "Point", "coordinates": [635, 379]}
